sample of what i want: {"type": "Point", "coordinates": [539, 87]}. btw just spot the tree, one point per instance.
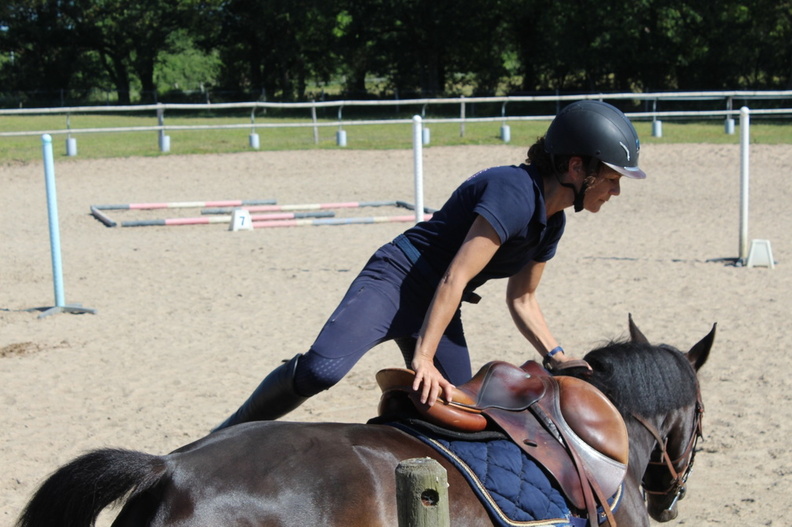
{"type": "Point", "coordinates": [750, 46]}
{"type": "Point", "coordinates": [272, 48]}
{"type": "Point", "coordinates": [358, 30]}
{"type": "Point", "coordinates": [424, 47]}
{"type": "Point", "coordinates": [185, 67]}
{"type": "Point", "coordinates": [130, 36]}
{"type": "Point", "coordinates": [47, 56]}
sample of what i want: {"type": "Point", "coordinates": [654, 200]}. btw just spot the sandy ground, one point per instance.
{"type": "Point", "coordinates": [190, 318]}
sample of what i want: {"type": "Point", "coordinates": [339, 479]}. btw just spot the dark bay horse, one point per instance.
{"type": "Point", "coordinates": [331, 474]}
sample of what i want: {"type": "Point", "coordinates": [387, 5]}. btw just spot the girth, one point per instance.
{"type": "Point", "coordinates": [564, 423]}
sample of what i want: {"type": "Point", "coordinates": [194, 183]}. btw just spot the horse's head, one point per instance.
{"type": "Point", "coordinates": [656, 389]}
{"type": "Point", "coordinates": [675, 438]}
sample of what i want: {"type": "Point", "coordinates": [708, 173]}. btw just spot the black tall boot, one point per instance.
{"type": "Point", "coordinates": [274, 397]}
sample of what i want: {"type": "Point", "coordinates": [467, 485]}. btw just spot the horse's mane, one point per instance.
{"type": "Point", "coordinates": [643, 379]}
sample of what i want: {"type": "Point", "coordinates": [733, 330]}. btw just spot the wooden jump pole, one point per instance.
{"type": "Point", "coordinates": [335, 221]}
{"type": "Point", "coordinates": [422, 493]}
{"type": "Point", "coordinates": [102, 217]}
{"type": "Point", "coordinates": [205, 220]}
{"type": "Point", "coordinates": [304, 206]}
{"type": "Point", "coordinates": [185, 204]}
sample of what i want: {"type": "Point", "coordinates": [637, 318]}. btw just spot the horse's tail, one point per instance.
{"type": "Point", "coordinates": [77, 492]}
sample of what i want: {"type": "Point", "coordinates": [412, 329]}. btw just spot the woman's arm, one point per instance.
{"type": "Point", "coordinates": [524, 307]}
{"type": "Point", "coordinates": [476, 251]}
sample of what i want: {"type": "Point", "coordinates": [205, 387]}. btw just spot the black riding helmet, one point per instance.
{"type": "Point", "coordinates": [597, 130]}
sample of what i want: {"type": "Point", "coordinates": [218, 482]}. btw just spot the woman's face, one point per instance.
{"type": "Point", "coordinates": [605, 185]}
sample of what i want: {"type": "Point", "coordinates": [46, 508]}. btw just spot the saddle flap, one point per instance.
{"type": "Point", "coordinates": [502, 385]}
{"type": "Point", "coordinates": [593, 418]}
{"type": "Point", "coordinates": [595, 434]}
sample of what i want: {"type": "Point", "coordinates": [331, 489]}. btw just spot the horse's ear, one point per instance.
{"type": "Point", "coordinates": [636, 337]}
{"type": "Point", "coordinates": [699, 353]}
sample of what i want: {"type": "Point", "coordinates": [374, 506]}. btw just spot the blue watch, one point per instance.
{"type": "Point", "coordinates": [557, 349]}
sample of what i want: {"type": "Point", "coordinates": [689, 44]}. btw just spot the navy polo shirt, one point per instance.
{"type": "Point", "coordinates": [511, 199]}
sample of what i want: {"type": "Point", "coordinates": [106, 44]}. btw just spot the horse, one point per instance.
{"type": "Point", "coordinates": [281, 473]}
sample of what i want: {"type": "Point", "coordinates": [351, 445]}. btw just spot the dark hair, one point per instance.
{"type": "Point", "coordinates": [549, 165]}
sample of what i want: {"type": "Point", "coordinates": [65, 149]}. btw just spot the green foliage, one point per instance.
{"type": "Point", "coordinates": [271, 49]}
{"type": "Point", "coordinates": [295, 49]}
{"type": "Point", "coordinates": [185, 68]}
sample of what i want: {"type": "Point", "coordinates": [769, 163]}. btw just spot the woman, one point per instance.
{"type": "Point", "coordinates": [504, 222]}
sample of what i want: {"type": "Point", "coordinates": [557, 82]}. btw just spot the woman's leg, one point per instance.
{"type": "Point", "coordinates": [360, 322]}
{"type": "Point", "coordinates": [453, 357]}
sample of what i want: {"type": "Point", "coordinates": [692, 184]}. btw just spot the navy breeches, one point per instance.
{"type": "Point", "coordinates": [388, 300]}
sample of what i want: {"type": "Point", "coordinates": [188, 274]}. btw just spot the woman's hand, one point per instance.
{"type": "Point", "coordinates": [430, 382]}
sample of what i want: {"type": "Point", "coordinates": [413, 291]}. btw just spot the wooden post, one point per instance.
{"type": "Point", "coordinates": [422, 493]}
{"type": "Point", "coordinates": [313, 120]}
{"type": "Point", "coordinates": [462, 116]}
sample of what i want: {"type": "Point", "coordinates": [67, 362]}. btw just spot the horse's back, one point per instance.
{"type": "Point", "coordinates": [284, 473]}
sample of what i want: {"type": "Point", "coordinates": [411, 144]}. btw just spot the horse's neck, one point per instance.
{"type": "Point", "coordinates": [641, 446]}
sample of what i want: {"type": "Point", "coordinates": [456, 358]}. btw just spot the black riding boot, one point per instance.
{"type": "Point", "coordinates": [274, 397]}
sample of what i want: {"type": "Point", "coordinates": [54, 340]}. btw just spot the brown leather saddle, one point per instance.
{"type": "Point", "coordinates": [564, 423]}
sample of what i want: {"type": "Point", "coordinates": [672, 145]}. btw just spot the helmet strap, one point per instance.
{"type": "Point", "coordinates": [579, 194]}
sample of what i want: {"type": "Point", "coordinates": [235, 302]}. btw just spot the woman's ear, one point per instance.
{"type": "Point", "coordinates": [576, 169]}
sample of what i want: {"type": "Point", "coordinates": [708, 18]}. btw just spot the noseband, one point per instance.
{"type": "Point", "coordinates": [678, 476]}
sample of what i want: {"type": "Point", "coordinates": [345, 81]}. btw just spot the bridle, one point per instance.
{"type": "Point", "coordinates": [680, 475]}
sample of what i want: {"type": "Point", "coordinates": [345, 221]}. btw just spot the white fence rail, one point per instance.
{"type": "Point", "coordinates": [159, 110]}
